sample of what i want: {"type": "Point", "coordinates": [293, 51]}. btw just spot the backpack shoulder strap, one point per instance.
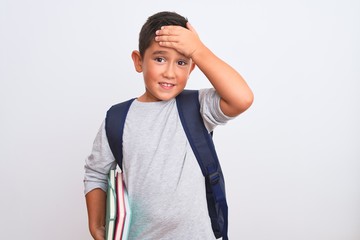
{"type": "Point", "coordinates": [201, 142]}
{"type": "Point", "coordinates": [204, 150]}
{"type": "Point", "coordinates": [114, 126]}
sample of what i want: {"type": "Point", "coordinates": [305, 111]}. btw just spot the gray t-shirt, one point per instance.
{"type": "Point", "coordinates": [165, 185]}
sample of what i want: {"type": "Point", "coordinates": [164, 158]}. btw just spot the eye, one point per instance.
{"type": "Point", "coordinates": [159, 59]}
{"type": "Point", "coordinates": [182, 63]}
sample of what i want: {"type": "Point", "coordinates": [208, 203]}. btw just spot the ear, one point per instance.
{"type": "Point", "coordinates": [136, 57]}
{"type": "Point", "coordinates": [193, 65]}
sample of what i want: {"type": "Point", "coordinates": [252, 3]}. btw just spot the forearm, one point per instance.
{"type": "Point", "coordinates": [96, 207]}
{"type": "Point", "coordinates": [236, 96]}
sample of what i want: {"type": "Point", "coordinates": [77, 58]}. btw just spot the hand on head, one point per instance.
{"type": "Point", "coordinates": [184, 40]}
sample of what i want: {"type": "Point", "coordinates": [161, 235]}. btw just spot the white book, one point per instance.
{"type": "Point", "coordinates": [128, 216]}
{"type": "Point", "coordinates": [110, 206]}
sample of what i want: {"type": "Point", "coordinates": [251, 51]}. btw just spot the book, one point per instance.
{"type": "Point", "coordinates": [121, 211]}
{"type": "Point", "coordinates": [110, 206]}
{"type": "Point", "coordinates": [127, 217]}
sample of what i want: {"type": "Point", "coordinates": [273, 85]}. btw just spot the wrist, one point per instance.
{"type": "Point", "coordinates": [200, 53]}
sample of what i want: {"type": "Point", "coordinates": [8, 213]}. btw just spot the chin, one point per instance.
{"type": "Point", "coordinates": [160, 95]}
{"type": "Point", "coordinates": [167, 97]}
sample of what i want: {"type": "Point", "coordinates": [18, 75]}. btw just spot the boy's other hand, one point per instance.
{"type": "Point", "coordinates": [98, 233]}
{"type": "Point", "coordinates": [185, 41]}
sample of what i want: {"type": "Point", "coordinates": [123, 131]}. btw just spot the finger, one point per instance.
{"type": "Point", "coordinates": [163, 33]}
{"type": "Point", "coordinates": [170, 30]}
{"type": "Point", "coordinates": [164, 30]}
{"type": "Point", "coordinates": [166, 38]}
{"type": "Point", "coordinates": [167, 44]}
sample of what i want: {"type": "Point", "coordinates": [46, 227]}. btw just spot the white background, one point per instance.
{"type": "Point", "coordinates": [291, 162]}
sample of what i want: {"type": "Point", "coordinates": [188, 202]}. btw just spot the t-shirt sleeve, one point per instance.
{"type": "Point", "coordinates": [98, 163]}
{"type": "Point", "coordinates": [210, 109]}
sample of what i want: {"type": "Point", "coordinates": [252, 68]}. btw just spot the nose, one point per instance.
{"type": "Point", "coordinates": [169, 71]}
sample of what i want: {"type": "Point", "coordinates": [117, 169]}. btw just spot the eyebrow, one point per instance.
{"type": "Point", "coordinates": [159, 52]}
{"type": "Point", "coordinates": [162, 52]}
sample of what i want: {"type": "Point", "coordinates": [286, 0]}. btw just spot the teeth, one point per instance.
{"type": "Point", "coordinates": [167, 84]}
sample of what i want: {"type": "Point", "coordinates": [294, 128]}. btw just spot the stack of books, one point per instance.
{"type": "Point", "coordinates": [118, 212]}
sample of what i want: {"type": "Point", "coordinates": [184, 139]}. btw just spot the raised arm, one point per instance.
{"type": "Point", "coordinates": [236, 96]}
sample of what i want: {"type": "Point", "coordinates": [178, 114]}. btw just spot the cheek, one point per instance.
{"type": "Point", "coordinates": [150, 72]}
{"type": "Point", "coordinates": [184, 75]}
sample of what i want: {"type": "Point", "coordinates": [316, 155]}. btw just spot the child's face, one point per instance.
{"type": "Point", "coordinates": [165, 72]}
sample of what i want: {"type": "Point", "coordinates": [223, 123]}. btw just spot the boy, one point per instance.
{"type": "Point", "coordinates": [164, 181]}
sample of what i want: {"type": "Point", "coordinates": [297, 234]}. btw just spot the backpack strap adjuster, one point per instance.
{"type": "Point", "coordinates": [214, 178]}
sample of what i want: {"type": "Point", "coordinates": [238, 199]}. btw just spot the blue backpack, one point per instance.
{"type": "Point", "coordinates": [201, 143]}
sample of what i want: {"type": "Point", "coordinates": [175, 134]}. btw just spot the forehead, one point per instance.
{"type": "Point", "coordinates": [155, 49]}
